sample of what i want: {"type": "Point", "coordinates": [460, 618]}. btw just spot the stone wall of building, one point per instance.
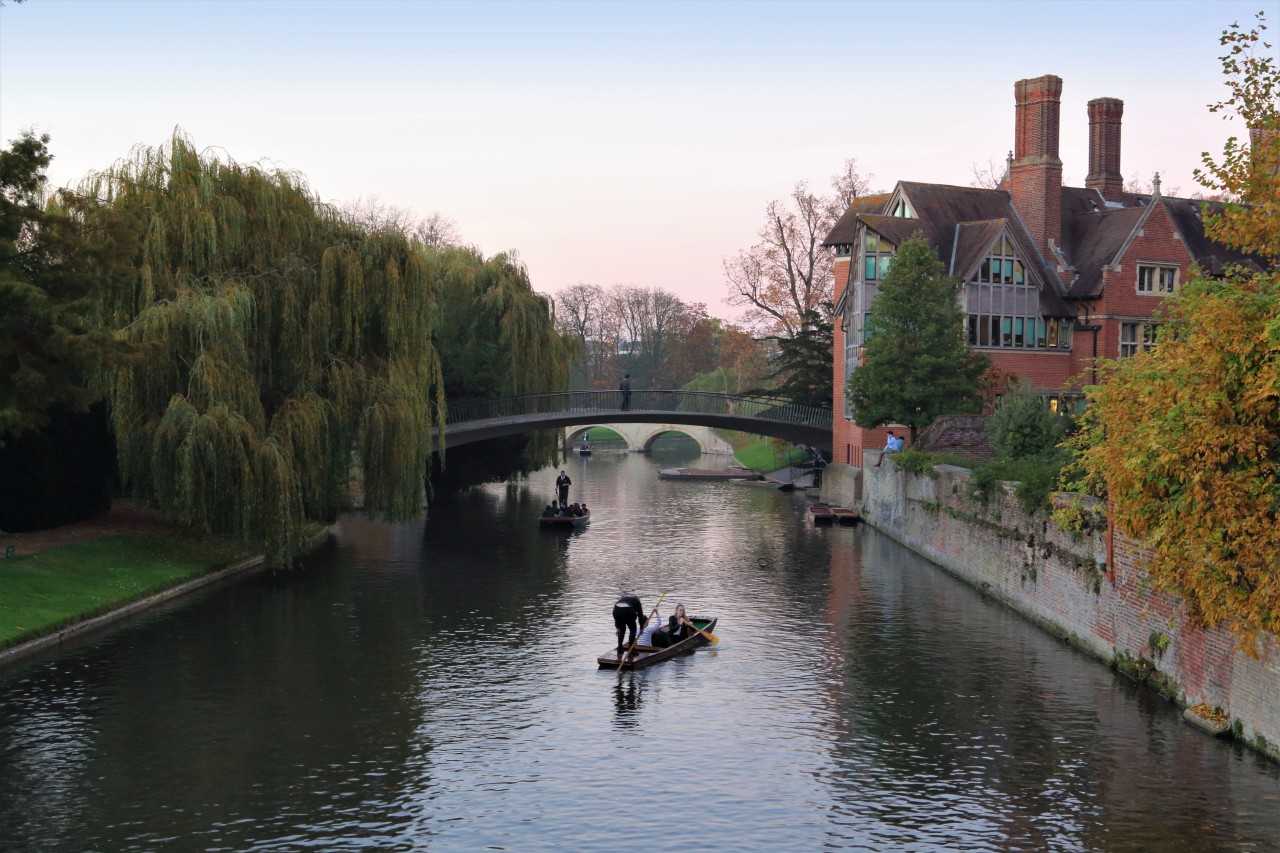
{"type": "Point", "coordinates": [1069, 584]}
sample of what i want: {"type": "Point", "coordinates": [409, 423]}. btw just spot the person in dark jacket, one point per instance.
{"type": "Point", "coordinates": [678, 628]}
{"type": "Point", "coordinates": [562, 486]}
{"type": "Point", "coordinates": [628, 618]}
{"type": "Point", "coordinates": [625, 388]}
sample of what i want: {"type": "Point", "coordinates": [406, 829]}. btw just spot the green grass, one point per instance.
{"type": "Point", "coordinates": [763, 455]}
{"type": "Point", "coordinates": [43, 592]}
{"type": "Point", "coordinates": [599, 434]}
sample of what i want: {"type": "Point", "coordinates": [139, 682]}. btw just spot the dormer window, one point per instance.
{"type": "Point", "coordinates": [844, 250]}
{"type": "Point", "coordinates": [1001, 266]}
{"type": "Point", "coordinates": [903, 210]}
{"type": "Point", "coordinates": [877, 255]}
{"type": "Point", "coordinates": [1157, 280]}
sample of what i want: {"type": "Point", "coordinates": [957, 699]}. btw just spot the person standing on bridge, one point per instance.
{"type": "Point", "coordinates": [562, 486]}
{"type": "Point", "coordinates": [625, 388]}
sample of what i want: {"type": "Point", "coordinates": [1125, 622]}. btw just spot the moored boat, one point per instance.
{"type": "Point", "coordinates": [564, 520]}
{"type": "Point", "coordinates": [649, 655]}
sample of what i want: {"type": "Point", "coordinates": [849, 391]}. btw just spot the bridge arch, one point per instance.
{"type": "Point", "coordinates": [639, 437]}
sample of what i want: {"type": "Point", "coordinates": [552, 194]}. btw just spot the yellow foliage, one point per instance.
{"type": "Point", "coordinates": [1185, 442]}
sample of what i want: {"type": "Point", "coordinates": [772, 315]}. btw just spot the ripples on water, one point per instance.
{"type": "Point", "coordinates": [433, 685]}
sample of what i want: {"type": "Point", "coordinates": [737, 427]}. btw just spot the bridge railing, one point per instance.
{"type": "Point", "coordinates": [607, 403]}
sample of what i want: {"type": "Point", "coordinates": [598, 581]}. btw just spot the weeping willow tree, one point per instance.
{"type": "Point", "coordinates": [279, 338]}
{"type": "Point", "coordinates": [501, 341]}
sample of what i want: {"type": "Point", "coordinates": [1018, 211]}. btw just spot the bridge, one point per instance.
{"type": "Point", "coordinates": [640, 437]}
{"type": "Point", "coordinates": [479, 420]}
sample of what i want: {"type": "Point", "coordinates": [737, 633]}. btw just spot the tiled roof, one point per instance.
{"type": "Point", "coordinates": [895, 229]}
{"type": "Point", "coordinates": [845, 230]}
{"type": "Point", "coordinates": [972, 239]}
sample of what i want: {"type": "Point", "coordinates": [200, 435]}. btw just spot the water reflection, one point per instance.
{"type": "Point", "coordinates": [434, 683]}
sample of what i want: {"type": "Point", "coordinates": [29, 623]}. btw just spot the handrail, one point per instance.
{"type": "Point", "coordinates": [592, 401]}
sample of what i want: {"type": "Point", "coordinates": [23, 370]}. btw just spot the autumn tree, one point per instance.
{"type": "Point", "coordinates": [787, 272]}
{"type": "Point", "coordinates": [1248, 173]}
{"type": "Point", "coordinates": [1184, 440]}
{"type": "Point", "coordinates": [916, 365]}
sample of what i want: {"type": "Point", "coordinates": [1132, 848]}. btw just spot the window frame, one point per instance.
{"type": "Point", "coordinates": [1156, 283]}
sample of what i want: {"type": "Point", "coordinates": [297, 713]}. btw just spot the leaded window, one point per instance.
{"type": "Point", "coordinates": [877, 255]}
{"type": "Point", "coordinates": [1135, 337]}
{"type": "Point", "coordinates": [1003, 306]}
{"type": "Point", "coordinates": [1153, 279]}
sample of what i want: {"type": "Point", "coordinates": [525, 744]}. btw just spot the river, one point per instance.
{"type": "Point", "coordinates": [433, 684]}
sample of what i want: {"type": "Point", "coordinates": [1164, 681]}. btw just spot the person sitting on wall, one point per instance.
{"type": "Point", "coordinates": [892, 444]}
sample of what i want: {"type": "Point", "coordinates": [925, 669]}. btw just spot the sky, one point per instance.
{"type": "Point", "coordinates": [610, 143]}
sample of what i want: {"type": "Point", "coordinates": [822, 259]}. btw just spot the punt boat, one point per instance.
{"type": "Point", "coordinates": [564, 521]}
{"type": "Point", "coordinates": [649, 655]}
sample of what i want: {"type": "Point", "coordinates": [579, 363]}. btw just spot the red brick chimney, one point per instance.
{"type": "Point", "coordinates": [1035, 179]}
{"type": "Point", "coordinates": [1104, 148]}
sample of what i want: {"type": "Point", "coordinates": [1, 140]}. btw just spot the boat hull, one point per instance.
{"type": "Point", "coordinates": [648, 655]}
{"type": "Point", "coordinates": [564, 521]}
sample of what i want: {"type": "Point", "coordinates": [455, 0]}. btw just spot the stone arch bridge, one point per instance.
{"type": "Point", "coordinates": [478, 420]}
{"type": "Point", "coordinates": [640, 437]}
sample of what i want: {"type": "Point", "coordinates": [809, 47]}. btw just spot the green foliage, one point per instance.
{"type": "Point", "coordinates": [802, 370]}
{"type": "Point", "coordinates": [768, 454]}
{"type": "Point", "coordinates": [283, 339]}
{"type": "Point", "coordinates": [50, 343]}
{"type": "Point", "coordinates": [1022, 426]}
{"type": "Point", "coordinates": [914, 461]}
{"type": "Point", "coordinates": [916, 366]}
{"type": "Point", "coordinates": [1036, 478]}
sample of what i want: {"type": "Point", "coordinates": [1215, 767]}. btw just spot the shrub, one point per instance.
{"type": "Point", "coordinates": [1022, 427]}
{"type": "Point", "coordinates": [1037, 477]}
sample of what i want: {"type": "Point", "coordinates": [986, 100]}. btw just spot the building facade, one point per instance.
{"type": "Point", "coordinates": [1055, 277]}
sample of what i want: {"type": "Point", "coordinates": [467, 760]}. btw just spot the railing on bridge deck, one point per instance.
{"type": "Point", "coordinates": [609, 403]}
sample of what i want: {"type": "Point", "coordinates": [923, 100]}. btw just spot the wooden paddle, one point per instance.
{"type": "Point", "coordinates": [711, 638]}
{"type": "Point", "coordinates": [631, 651]}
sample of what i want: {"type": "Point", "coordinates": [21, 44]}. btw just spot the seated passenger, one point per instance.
{"type": "Point", "coordinates": [652, 627]}
{"type": "Point", "coordinates": [548, 510]}
{"type": "Point", "coordinates": [678, 628]}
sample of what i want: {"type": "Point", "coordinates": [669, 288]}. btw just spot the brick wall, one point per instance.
{"type": "Point", "coordinates": [1063, 583]}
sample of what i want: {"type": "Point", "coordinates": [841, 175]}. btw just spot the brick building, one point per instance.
{"type": "Point", "coordinates": [1055, 276]}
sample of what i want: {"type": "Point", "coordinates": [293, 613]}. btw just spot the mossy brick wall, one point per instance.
{"type": "Point", "coordinates": [1067, 584]}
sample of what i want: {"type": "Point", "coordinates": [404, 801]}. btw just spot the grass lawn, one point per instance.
{"type": "Point", "coordinates": [763, 455]}
{"type": "Point", "coordinates": [42, 592]}
{"type": "Point", "coordinates": [597, 434]}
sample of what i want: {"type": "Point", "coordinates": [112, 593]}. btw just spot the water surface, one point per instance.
{"type": "Point", "coordinates": [433, 685]}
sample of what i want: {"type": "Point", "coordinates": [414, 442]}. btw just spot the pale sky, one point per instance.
{"type": "Point", "coordinates": [613, 143]}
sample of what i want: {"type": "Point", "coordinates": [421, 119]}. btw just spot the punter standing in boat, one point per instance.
{"type": "Point", "coordinates": [628, 618]}
{"type": "Point", "coordinates": [562, 486]}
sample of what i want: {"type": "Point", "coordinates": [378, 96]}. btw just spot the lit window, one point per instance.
{"type": "Point", "coordinates": [1157, 279]}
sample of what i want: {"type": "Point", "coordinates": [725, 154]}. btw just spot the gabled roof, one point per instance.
{"type": "Point", "coordinates": [1094, 234]}
{"type": "Point", "coordinates": [972, 240]}
{"type": "Point", "coordinates": [845, 230]}
{"type": "Point", "coordinates": [1092, 241]}
{"type": "Point", "coordinates": [895, 229]}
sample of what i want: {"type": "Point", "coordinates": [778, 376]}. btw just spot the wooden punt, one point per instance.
{"type": "Point", "coordinates": [564, 521]}
{"type": "Point", "coordinates": [821, 513]}
{"type": "Point", "coordinates": [846, 517]}
{"type": "Point", "coordinates": [648, 655]}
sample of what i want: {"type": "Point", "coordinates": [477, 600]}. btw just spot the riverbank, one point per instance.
{"type": "Point", "coordinates": [64, 582]}
{"type": "Point", "coordinates": [762, 455]}
{"type": "Point", "coordinates": [1089, 587]}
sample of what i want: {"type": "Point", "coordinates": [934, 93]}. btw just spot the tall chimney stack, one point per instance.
{"type": "Point", "coordinates": [1035, 178]}
{"type": "Point", "coordinates": [1104, 148]}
